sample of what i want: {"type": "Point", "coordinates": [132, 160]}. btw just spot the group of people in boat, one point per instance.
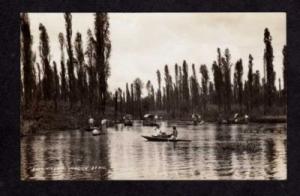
{"type": "Point", "coordinates": [159, 133]}
{"type": "Point", "coordinates": [96, 130]}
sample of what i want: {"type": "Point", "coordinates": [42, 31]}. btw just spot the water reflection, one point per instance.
{"type": "Point", "coordinates": [270, 158]}
{"type": "Point", "coordinates": [223, 157]}
{"type": "Point", "coordinates": [65, 155]}
{"type": "Point", "coordinates": [216, 152]}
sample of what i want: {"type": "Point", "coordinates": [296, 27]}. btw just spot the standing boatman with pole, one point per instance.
{"type": "Point", "coordinates": [174, 133]}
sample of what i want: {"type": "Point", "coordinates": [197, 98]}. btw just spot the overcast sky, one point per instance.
{"type": "Point", "coordinates": [145, 42]}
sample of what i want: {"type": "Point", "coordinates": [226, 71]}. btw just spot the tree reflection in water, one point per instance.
{"type": "Point", "coordinates": [216, 152]}
{"type": "Point", "coordinates": [270, 152]}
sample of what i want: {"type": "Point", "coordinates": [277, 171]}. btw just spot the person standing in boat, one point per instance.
{"type": "Point", "coordinates": [174, 133]}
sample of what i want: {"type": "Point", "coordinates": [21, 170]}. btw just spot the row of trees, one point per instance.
{"type": "Point", "coordinates": [186, 94]}
{"type": "Point", "coordinates": [82, 80]}
{"type": "Point", "coordinates": [83, 76]}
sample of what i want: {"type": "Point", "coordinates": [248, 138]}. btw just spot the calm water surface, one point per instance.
{"type": "Point", "coordinates": [122, 154]}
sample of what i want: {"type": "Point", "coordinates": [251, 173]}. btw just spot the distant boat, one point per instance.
{"type": "Point", "coordinates": [90, 128]}
{"type": "Point", "coordinates": [127, 119]}
{"type": "Point", "coordinates": [149, 120]}
{"type": "Point", "coordinates": [199, 123]}
{"type": "Point", "coordinates": [163, 139]}
{"type": "Point", "coordinates": [232, 122]}
{"type": "Point", "coordinates": [197, 119]}
{"type": "Point", "coordinates": [128, 123]}
{"type": "Point", "coordinates": [96, 132]}
{"type": "Point", "coordinates": [237, 119]}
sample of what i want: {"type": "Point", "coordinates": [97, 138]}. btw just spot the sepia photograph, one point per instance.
{"type": "Point", "coordinates": [153, 96]}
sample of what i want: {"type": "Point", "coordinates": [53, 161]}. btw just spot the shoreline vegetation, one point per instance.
{"type": "Point", "coordinates": [63, 98]}
{"type": "Point", "coordinates": [45, 118]}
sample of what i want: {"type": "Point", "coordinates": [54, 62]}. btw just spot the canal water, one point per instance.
{"type": "Point", "coordinates": [216, 152]}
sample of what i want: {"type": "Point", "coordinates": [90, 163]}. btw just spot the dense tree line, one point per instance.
{"type": "Point", "coordinates": [186, 95]}
{"type": "Point", "coordinates": [82, 79]}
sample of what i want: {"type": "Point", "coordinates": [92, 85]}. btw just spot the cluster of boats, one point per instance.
{"type": "Point", "coordinates": [237, 119]}
{"type": "Point", "coordinates": [148, 120]}
{"type": "Point", "coordinates": [157, 138]}
{"type": "Point", "coordinates": [151, 120]}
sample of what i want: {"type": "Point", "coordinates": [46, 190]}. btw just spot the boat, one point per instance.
{"type": "Point", "coordinates": [149, 120]}
{"type": "Point", "coordinates": [127, 119]}
{"type": "Point", "coordinates": [201, 122]}
{"type": "Point", "coordinates": [237, 119]}
{"type": "Point", "coordinates": [96, 132]}
{"type": "Point", "coordinates": [198, 122]}
{"type": "Point", "coordinates": [196, 119]}
{"type": "Point", "coordinates": [128, 123]}
{"type": "Point", "coordinates": [90, 128]}
{"type": "Point", "coordinates": [163, 139]}
{"type": "Point", "coordinates": [232, 122]}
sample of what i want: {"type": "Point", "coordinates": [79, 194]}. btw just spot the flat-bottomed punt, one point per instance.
{"type": "Point", "coordinates": [163, 139]}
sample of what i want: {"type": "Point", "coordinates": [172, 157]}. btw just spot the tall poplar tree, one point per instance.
{"type": "Point", "coordinates": [285, 65]}
{"type": "Point", "coordinates": [26, 59]}
{"type": "Point", "coordinates": [195, 94]}
{"type": "Point", "coordinates": [204, 81]}
{"type": "Point", "coordinates": [70, 62]}
{"type": "Point", "coordinates": [168, 82]}
{"type": "Point", "coordinates": [80, 67]}
{"type": "Point", "coordinates": [103, 49]}
{"type": "Point", "coordinates": [45, 60]}
{"type": "Point", "coordinates": [158, 99]}
{"type": "Point", "coordinates": [218, 83]}
{"type": "Point", "coordinates": [185, 87]}
{"type": "Point", "coordinates": [270, 80]}
{"type": "Point", "coordinates": [138, 86]}
{"type": "Point", "coordinates": [250, 81]}
{"type": "Point", "coordinates": [64, 88]}
{"type": "Point", "coordinates": [239, 75]}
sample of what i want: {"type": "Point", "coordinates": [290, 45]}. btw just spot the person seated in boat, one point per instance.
{"type": "Point", "coordinates": [236, 117]}
{"type": "Point", "coordinates": [246, 117]}
{"type": "Point", "coordinates": [91, 121]}
{"type": "Point", "coordinates": [163, 133]}
{"type": "Point", "coordinates": [174, 133]}
{"type": "Point", "coordinates": [158, 132]}
{"type": "Point", "coordinates": [104, 123]}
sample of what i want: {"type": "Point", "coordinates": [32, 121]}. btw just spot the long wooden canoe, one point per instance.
{"type": "Point", "coordinates": [163, 139]}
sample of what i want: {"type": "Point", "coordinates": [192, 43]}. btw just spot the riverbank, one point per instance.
{"type": "Point", "coordinates": [44, 117]}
